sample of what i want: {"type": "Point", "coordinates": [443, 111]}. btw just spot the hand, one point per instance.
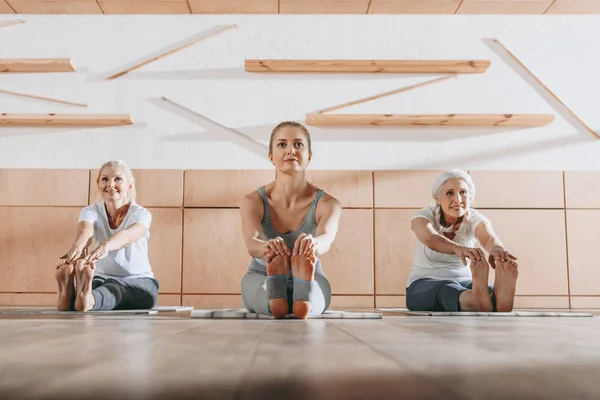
{"type": "Point", "coordinates": [74, 254]}
{"type": "Point", "coordinates": [276, 246]}
{"type": "Point", "coordinates": [498, 254]}
{"type": "Point", "coordinates": [305, 244]}
{"type": "Point", "coordinates": [468, 252]}
{"type": "Point", "coordinates": [99, 253]}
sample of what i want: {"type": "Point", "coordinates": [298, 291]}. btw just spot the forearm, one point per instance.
{"type": "Point", "coordinates": [324, 243]}
{"type": "Point", "coordinates": [441, 244]}
{"type": "Point", "coordinates": [118, 241]}
{"type": "Point", "coordinates": [83, 237]}
{"type": "Point", "coordinates": [492, 243]}
{"type": "Point", "coordinates": [256, 247]}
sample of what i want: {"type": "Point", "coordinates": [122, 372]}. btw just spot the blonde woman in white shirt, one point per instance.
{"type": "Point", "coordinates": [449, 273]}
{"type": "Point", "coordinates": [117, 273]}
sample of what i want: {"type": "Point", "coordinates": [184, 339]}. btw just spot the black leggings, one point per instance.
{"type": "Point", "coordinates": [123, 294]}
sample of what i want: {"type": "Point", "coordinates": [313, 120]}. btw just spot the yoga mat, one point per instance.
{"type": "Point", "coordinates": [53, 311]}
{"type": "Point", "coordinates": [244, 314]}
{"type": "Point", "coordinates": [485, 314]}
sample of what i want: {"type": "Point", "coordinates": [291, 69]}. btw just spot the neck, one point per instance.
{"type": "Point", "coordinates": [117, 208]}
{"type": "Point", "coordinates": [448, 220]}
{"type": "Point", "coordinates": [289, 187]}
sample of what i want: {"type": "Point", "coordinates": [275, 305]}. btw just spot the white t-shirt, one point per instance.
{"type": "Point", "coordinates": [130, 261]}
{"type": "Point", "coordinates": [429, 263]}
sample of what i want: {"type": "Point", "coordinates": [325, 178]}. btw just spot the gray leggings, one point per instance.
{"type": "Point", "coordinates": [438, 295]}
{"type": "Point", "coordinates": [256, 300]}
{"type": "Point", "coordinates": [123, 294]}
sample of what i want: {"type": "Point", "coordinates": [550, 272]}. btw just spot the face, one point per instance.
{"type": "Point", "coordinates": [290, 150]}
{"type": "Point", "coordinates": [113, 184]}
{"type": "Point", "coordinates": [454, 198]}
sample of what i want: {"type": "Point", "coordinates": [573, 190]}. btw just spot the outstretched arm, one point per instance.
{"type": "Point", "coordinates": [85, 231]}
{"type": "Point", "coordinates": [329, 211]}
{"type": "Point", "coordinates": [117, 241]}
{"type": "Point", "coordinates": [491, 242]}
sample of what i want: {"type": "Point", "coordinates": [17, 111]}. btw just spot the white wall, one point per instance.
{"type": "Point", "coordinates": [209, 77]}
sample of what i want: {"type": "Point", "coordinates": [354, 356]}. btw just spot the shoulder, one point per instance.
{"type": "Point", "coordinates": [328, 205]}
{"type": "Point", "coordinates": [137, 209]}
{"type": "Point", "coordinates": [475, 217]}
{"type": "Point", "coordinates": [251, 199]}
{"type": "Point", "coordinates": [91, 213]}
{"type": "Point", "coordinates": [427, 213]}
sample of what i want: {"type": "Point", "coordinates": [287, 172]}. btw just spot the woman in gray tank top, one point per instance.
{"type": "Point", "coordinates": [287, 224]}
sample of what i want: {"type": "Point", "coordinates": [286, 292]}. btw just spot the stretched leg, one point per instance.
{"type": "Point", "coordinates": [84, 274]}
{"type": "Point", "coordinates": [505, 285]}
{"type": "Point", "coordinates": [303, 270]}
{"type": "Point", "coordinates": [65, 278]}
{"type": "Point", "coordinates": [125, 294]}
{"type": "Point", "coordinates": [479, 298]}
{"type": "Point", "coordinates": [434, 295]}
{"type": "Point", "coordinates": [278, 269]}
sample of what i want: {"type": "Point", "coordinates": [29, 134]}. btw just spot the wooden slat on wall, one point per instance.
{"type": "Point", "coordinates": [575, 7]}
{"type": "Point", "coordinates": [234, 7]}
{"type": "Point", "coordinates": [56, 7]}
{"type": "Point", "coordinates": [5, 8]}
{"type": "Point", "coordinates": [413, 6]}
{"type": "Point", "coordinates": [352, 188]}
{"type": "Point", "coordinates": [403, 189]}
{"type": "Point", "coordinates": [43, 187]}
{"type": "Point", "coordinates": [582, 189]}
{"type": "Point", "coordinates": [222, 188]}
{"type": "Point", "coordinates": [165, 247]}
{"type": "Point", "coordinates": [504, 7]}
{"type": "Point", "coordinates": [583, 232]}
{"type": "Point", "coordinates": [323, 6]}
{"type": "Point", "coordinates": [144, 7]}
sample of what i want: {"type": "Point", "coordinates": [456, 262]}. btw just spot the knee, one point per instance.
{"type": "Point", "coordinates": [279, 308]}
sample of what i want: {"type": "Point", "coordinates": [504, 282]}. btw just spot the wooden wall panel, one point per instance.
{"type": "Point", "coordinates": [214, 254]}
{"type": "Point", "coordinates": [583, 232]}
{"type": "Point", "coordinates": [55, 7]}
{"type": "Point", "coordinates": [144, 7]}
{"type": "Point", "coordinates": [403, 189]}
{"type": "Point", "coordinates": [234, 6]}
{"type": "Point", "coordinates": [585, 302]}
{"type": "Point", "coordinates": [518, 189]}
{"type": "Point", "coordinates": [390, 301]}
{"type": "Point", "coordinates": [505, 7]}
{"type": "Point", "coordinates": [349, 263]}
{"type": "Point", "coordinates": [28, 299]}
{"type": "Point", "coordinates": [541, 252]}
{"type": "Point", "coordinates": [547, 302]}
{"type": "Point", "coordinates": [222, 188]}
{"type": "Point", "coordinates": [323, 6]}
{"type": "Point", "coordinates": [40, 187]}
{"type": "Point", "coordinates": [213, 301]}
{"type": "Point", "coordinates": [5, 8]}
{"type": "Point", "coordinates": [154, 188]}
{"type": "Point", "coordinates": [169, 300]}
{"type": "Point", "coordinates": [582, 189]}
{"type": "Point", "coordinates": [353, 189]}
{"type": "Point", "coordinates": [346, 302]}
{"type": "Point", "coordinates": [165, 247]}
{"type": "Point", "coordinates": [31, 241]}
{"type": "Point", "coordinates": [413, 6]}
{"type": "Point", "coordinates": [394, 250]}
{"type": "Point", "coordinates": [575, 7]}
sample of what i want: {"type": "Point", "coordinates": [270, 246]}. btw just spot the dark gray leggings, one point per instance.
{"type": "Point", "coordinates": [123, 294]}
{"type": "Point", "coordinates": [438, 295]}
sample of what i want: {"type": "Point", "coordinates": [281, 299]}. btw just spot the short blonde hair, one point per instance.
{"type": "Point", "coordinates": [453, 174]}
{"type": "Point", "coordinates": [131, 194]}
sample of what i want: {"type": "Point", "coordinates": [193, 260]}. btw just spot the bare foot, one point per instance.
{"type": "Point", "coordinates": [480, 270]}
{"type": "Point", "coordinates": [65, 277]}
{"type": "Point", "coordinates": [84, 301]}
{"type": "Point", "coordinates": [303, 267]}
{"type": "Point", "coordinates": [505, 285]}
{"type": "Point", "coordinates": [278, 265]}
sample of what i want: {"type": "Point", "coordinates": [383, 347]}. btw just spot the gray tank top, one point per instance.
{"type": "Point", "coordinates": [309, 224]}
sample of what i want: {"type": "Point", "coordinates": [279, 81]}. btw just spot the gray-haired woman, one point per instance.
{"type": "Point", "coordinates": [449, 273]}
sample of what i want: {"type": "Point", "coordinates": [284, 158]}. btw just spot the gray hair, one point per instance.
{"type": "Point", "coordinates": [453, 174]}
{"type": "Point", "coordinates": [128, 174]}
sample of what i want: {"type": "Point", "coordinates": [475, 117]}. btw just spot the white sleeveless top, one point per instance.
{"type": "Point", "coordinates": [132, 260]}
{"type": "Point", "coordinates": [428, 263]}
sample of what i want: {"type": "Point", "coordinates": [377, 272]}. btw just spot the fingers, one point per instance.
{"type": "Point", "coordinates": [463, 259]}
{"type": "Point", "coordinates": [297, 243]}
{"type": "Point", "coordinates": [281, 246]}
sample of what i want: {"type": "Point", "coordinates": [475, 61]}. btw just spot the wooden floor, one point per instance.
{"type": "Point", "coordinates": [140, 357]}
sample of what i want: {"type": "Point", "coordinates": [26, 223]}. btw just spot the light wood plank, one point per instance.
{"type": "Point", "coordinates": [575, 7]}
{"type": "Point", "coordinates": [16, 120]}
{"type": "Point", "coordinates": [369, 66]}
{"type": "Point", "coordinates": [214, 255]}
{"type": "Point", "coordinates": [165, 247]}
{"type": "Point", "coordinates": [543, 302]}
{"type": "Point", "coordinates": [523, 120]}
{"type": "Point", "coordinates": [154, 187]}
{"type": "Point", "coordinates": [349, 263]}
{"type": "Point", "coordinates": [227, 187]}
{"type": "Point", "coordinates": [31, 241]}
{"type": "Point", "coordinates": [541, 251]}
{"type": "Point", "coordinates": [585, 302]}
{"type": "Point", "coordinates": [390, 301]}
{"type": "Point", "coordinates": [323, 7]}
{"type": "Point", "coordinates": [208, 301]}
{"type": "Point", "coordinates": [346, 302]}
{"type": "Point", "coordinates": [43, 98]}
{"type": "Point", "coordinates": [5, 9]}
{"type": "Point", "coordinates": [394, 250]}
{"type": "Point", "coordinates": [583, 231]}
{"type": "Point", "coordinates": [43, 187]}
{"type": "Point", "coordinates": [56, 7]}
{"type": "Point", "coordinates": [144, 7]}
{"type": "Point", "coordinates": [169, 300]}
{"type": "Point", "coordinates": [582, 189]}
{"type": "Point", "coordinates": [403, 189]}
{"type": "Point", "coordinates": [518, 189]}
{"type": "Point", "coordinates": [27, 299]}
{"type": "Point", "coordinates": [413, 7]}
{"type": "Point", "coordinates": [351, 188]}
{"type": "Point", "coordinates": [36, 65]}
{"type": "Point", "coordinates": [504, 7]}
{"type": "Point", "coordinates": [234, 7]}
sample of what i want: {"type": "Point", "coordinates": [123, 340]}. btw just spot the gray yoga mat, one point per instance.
{"type": "Point", "coordinates": [53, 311]}
{"type": "Point", "coordinates": [244, 314]}
{"type": "Point", "coordinates": [485, 314]}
